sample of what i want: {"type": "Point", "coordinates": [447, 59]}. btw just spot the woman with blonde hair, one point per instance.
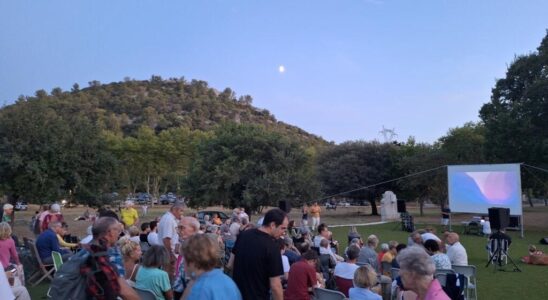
{"type": "Point", "coordinates": [131, 254]}
{"type": "Point", "coordinates": [364, 279]}
{"type": "Point", "coordinates": [8, 253]}
{"type": "Point", "coordinates": [207, 283]}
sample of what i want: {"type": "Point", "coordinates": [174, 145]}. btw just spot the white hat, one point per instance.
{"type": "Point", "coordinates": [55, 207]}
{"type": "Point", "coordinates": [8, 206]}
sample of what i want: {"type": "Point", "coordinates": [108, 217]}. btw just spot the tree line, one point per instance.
{"type": "Point", "coordinates": [172, 135]}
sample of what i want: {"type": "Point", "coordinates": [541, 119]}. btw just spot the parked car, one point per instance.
{"type": "Point", "coordinates": [168, 198]}
{"type": "Point", "coordinates": [343, 204]}
{"type": "Point", "coordinates": [329, 205]}
{"type": "Point", "coordinates": [200, 215]}
{"type": "Point", "coordinates": [21, 205]}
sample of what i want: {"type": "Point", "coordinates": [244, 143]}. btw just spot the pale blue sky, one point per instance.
{"type": "Point", "coordinates": [352, 66]}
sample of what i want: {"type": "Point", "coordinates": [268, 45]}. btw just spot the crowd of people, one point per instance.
{"type": "Point", "coordinates": [177, 257]}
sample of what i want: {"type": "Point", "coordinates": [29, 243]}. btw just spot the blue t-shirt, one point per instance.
{"type": "Point", "coordinates": [153, 279]}
{"type": "Point", "coordinates": [362, 294]}
{"type": "Point", "coordinates": [214, 285]}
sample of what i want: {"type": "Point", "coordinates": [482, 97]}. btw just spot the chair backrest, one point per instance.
{"type": "Point", "coordinates": [325, 294]}
{"type": "Point", "coordinates": [57, 260]}
{"type": "Point", "coordinates": [343, 284]}
{"type": "Point", "coordinates": [386, 268]}
{"type": "Point", "coordinates": [445, 271]}
{"type": "Point", "coordinates": [145, 294]}
{"type": "Point", "coordinates": [35, 254]}
{"type": "Point", "coordinates": [494, 244]}
{"type": "Point", "coordinates": [395, 272]}
{"type": "Point", "coordinates": [468, 271]}
{"type": "Point", "coordinates": [442, 278]}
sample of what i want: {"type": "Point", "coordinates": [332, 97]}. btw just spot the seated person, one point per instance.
{"type": "Point", "coordinates": [88, 237]}
{"type": "Point", "coordinates": [61, 238]}
{"type": "Point", "coordinates": [399, 248]}
{"type": "Point", "coordinates": [47, 242]}
{"type": "Point", "coordinates": [364, 279]}
{"type": "Point", "coordinates": [485, 226]}
{"type": "Point", "coordinates": [344, 271]}
{"type": "Point", "coordinates": [303, 278]}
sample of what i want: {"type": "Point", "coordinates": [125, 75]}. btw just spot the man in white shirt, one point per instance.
{"type": "Point", "coordinates": [457, 253]}
{"type": "Point", "coordinates": [346, 269]}
{"type": "Point", "coordinates": [167, 233]}
{"type": "Point", "coordinates": [152, 237]}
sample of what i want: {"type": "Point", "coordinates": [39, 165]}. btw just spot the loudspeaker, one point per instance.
{"type": "Point", "coordinates": [499, 217]}
{"type": "Point", "coordinates": [284, 205]}
{"type": "Point", "coordinates": [401, 206]}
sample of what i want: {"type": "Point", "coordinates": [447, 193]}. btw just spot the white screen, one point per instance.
{"type": "Point", "coordinates": [475, 188]}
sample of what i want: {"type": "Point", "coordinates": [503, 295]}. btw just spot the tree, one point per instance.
{"type": "Point", "coordinates": [464, 145]}
{"type": "Point", "coordinates": [46, 156]}
{"type": "Point", "coordinates": [516, 118]}
{"type": "Point", "coordinates": [246, 165]}
{"type": "Point", "coordinates": [356, 164]}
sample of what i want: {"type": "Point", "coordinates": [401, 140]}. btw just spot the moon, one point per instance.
{"type": "Point", "coordinates": [281, 69]}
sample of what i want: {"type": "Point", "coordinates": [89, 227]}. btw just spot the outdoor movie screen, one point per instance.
{"type": "Point", "coordinates": [475, 188]}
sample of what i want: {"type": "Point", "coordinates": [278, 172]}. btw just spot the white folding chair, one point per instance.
{"type": "Point", "coordinates": [471, 284]}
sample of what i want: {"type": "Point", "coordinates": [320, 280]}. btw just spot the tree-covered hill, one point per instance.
{"type": "Point", "coordinates": [124, 107]}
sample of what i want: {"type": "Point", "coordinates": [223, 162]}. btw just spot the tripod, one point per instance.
{"type": "Point", "coordinates": [501, 248]}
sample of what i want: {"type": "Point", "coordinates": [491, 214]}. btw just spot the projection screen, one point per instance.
{"type": "Point", "coordinates": [475, 188]}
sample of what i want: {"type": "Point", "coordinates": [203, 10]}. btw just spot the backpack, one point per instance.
{"type": "Point", "coordinates": [68, 283]}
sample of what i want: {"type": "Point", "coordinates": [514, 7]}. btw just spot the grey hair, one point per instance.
{"type": "Point", "coordinates": [177, 205]}
{"type": "Point", "coordinates": [102, 225]}
{"type": "Point", "coordinates": [415, 259]}
{"type": "Point", "coordinates": [192, 222]}
{"type": "Point", "coordinates": [372, 240]}
{"type": "Point", "coordinates": [155, 257]}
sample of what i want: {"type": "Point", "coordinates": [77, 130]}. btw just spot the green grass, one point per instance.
{"type": "Point", "coordinates": [531, 283]}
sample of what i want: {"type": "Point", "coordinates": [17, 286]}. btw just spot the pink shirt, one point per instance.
{"type": "Point", "coordinates": [435, 292]}
{"type": "Point", "coordinates": [7, 251]}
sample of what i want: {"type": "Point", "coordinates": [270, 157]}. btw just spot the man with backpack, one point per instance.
{"type": "Point", "coordinates": [89, 274]}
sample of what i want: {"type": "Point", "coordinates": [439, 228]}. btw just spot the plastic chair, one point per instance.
{"type": "Point", "coordinates": [57, 260]}
{"type": "Point", "coordinates": [441, 275]}
{"type": "Point", "coordinates": [471, 284]}
{"type": "Point", "coordinates": [325, 294]}
{"type": "Point", "coordinates": [145, 294]}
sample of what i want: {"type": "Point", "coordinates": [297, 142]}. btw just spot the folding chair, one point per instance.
{"type": "Point", "coordinates": [43, 269]}
{"type": "Point", "coordinates": [145, 294]}
{"type": "Point", "coordinates": [471, 284]}
{"type": "Point", "coordinates": [57, 260]}
{"type": "Point", "coordinates": [492, 248]}
{"type": "Point", "coordinates": [395, 272]}
{"type": "Point", "coordinates": [386, 268]}
{"type": "Point", "coordinates": [325, 294]}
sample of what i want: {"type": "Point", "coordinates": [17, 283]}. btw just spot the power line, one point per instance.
{"type": "Point", "coordinates": [541, 169]}
{"type": "Point", "coordinates": [383, 182]}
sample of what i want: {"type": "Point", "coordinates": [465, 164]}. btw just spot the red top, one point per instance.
{"type": "Point", "coordinates": [302, 276]}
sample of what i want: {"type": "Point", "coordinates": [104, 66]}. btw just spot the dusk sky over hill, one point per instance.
{"type": "Point", "coordinates": [349, 67]}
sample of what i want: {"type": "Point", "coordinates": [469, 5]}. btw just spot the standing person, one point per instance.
{"type": "Point", "coordinates": [302, 277]}
{"type": "Point", "coordinates": [167, 233]}
{"type": "Point", "coordinates": [201, 254]}
{"type": "Point", "coordinates": [257, 261]}
{"type": "Point", "coordinates": [8, 215]}
{"type": "Point", "coordinates": [107, 282]}
{"type": "Point", "coordinates": [242, 214]}
{"type": "Point", "coordinates": [53, 215]}
{"type": "Point", "coordinates": [188, 227]}
{"type": "Point", "coordinates": [131, 255]}
{"type": "Point", "coordinates": [445, 215]}
{"type": "Point", "coordinates": [129, 215]}
{"type": "Point", "coordinates": [152, 237]}
{"type": "Point", "coordinates": [315, 211]}
{"type": "Point", "coordinates": [144, 207]}
{"type": "Point", "coordinates": [150, 275]}
{"type": "Point", "coordinates": [304, 218]}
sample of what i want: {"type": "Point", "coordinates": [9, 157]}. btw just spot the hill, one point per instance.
{"type": "Point", "coordinates": [123, 107]}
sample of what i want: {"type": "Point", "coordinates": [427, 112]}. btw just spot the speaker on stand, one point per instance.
{"type": "Point", "coordinates": [284, 205]}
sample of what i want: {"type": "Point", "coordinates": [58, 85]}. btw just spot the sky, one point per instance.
{"type": "Point", "coordinates": [352, 67]}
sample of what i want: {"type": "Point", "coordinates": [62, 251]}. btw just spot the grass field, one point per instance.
{"type": "Point", "coordinates": [531, 283]}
